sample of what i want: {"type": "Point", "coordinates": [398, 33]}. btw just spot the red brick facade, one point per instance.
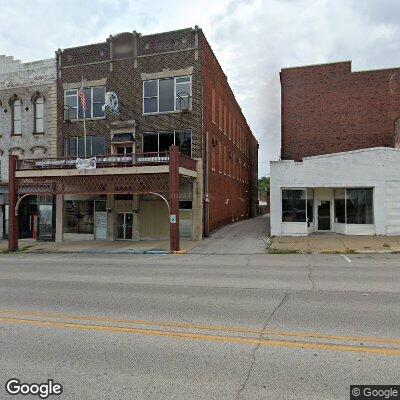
{"type": "Point", "coordinates": [232, 149]}
{"type": "Point", "coordinates": [328, 108]}
{"type": "Point", "coordinates": [227, 146]}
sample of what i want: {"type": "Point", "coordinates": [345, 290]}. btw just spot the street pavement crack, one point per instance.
{"type": "Point", "coordinates": [253, 354]}
{"type": "Point", "coordinates": [310, 278]}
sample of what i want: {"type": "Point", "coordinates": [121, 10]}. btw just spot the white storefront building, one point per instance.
{"type": "Point", "coordinates": [351, 193]}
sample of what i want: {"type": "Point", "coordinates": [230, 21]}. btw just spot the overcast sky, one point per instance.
{"type": "Point", "coordinates": [253, 40]}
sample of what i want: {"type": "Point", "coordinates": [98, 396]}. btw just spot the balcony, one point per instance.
{"type": "Point", "coordinates": [108, 164]}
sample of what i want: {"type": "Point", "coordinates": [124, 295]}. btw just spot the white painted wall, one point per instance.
{"type": "Point", "coordinates": [376, 167]}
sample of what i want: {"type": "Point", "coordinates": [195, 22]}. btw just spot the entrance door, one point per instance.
{"type": "Point", "coordinates": [124, 226]}
{"type": "Point", "coordinates": [100, 220]}
{"type": "Point", "coordinates": [324, 216]}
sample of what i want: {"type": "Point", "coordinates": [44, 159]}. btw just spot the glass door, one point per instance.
{"type": "Point", "coordinates": [124, 226]}
{"type": "Point", "coordinates": [324, 216]}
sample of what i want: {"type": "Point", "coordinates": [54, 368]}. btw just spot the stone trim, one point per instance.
{"type": "Point", "coordinates": [167, 74]}
{"type": "Point", "coordinates": [86, 83]}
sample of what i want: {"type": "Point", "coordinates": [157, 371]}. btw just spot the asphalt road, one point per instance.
{"type": "Point", "coordinates": [200, 326]}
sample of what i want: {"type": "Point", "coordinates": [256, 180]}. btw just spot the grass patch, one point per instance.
{"type": "Point", "coordinates": [283, 251]}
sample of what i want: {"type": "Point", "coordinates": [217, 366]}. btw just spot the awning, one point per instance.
{"type": "Point", "coordinates": [123, 138]}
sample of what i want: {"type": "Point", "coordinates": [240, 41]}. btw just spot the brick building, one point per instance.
{"type": "Point", "coordinates": [339, 151]}
{"type": "Point", "coordinates": [329, 108]}
{"type": "Point", "coordinates": [171, 91]}
{"type": "Point", "coordinates": [28, 130]}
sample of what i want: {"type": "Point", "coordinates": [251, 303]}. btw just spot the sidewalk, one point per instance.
{"type": "Point", "coordinates": [97, 246]}
{"type": "Point", "coordinates": [333, 243]}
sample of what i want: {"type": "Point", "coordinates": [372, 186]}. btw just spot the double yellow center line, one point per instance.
{"type": "Point", "coordinates": [210, 333]}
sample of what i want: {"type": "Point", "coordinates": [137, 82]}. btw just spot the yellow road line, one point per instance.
{"type": "Point", "coordinates": [204, 327]}
{"type": "Point", "coordinates": [205, 337]}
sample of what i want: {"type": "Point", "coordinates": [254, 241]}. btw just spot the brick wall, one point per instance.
{"type": "Point", "coordinates": [231, 148]}
{"type": "Point", "coordinates": [328, 108]}
{"type": "Point", "coordinates": [233, 191]}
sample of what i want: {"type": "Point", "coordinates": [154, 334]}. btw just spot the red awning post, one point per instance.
{"type": "Point", "coordinates": [12, 203]}
{"type": "Point", "coordinates": [174, 197]}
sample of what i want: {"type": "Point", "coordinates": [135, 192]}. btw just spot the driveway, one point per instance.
{"type": "Point", "coordinates": [244, 237]}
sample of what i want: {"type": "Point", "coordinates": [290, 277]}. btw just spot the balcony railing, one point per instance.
{"type": "Point", "coordinates": [106, 161]}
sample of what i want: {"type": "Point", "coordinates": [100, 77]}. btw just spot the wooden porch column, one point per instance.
{"type": "Point", "coordinates": [174, 198]}
{"type": "Point", "coordinates": [12, 202]}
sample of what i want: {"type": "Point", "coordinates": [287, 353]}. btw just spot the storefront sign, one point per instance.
{"type": "Point", "coordinates": [86, 163]}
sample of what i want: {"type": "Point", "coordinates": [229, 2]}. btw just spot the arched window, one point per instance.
{"type": "Point", "coordinates": [16, 115]}
{"type": "Point", "coordinates": [38, 112]}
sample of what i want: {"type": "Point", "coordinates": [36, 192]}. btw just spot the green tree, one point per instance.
{"type": "Point", "coordinates": [263, 184]}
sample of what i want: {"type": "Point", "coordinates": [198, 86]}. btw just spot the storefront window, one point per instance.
{"type": "Point", "coordinates": [79, 216]}
{"type": "Point", "coordinates": [359, 206]}
{"type": "Point", "coordinates": [45, 206]}
{"type": "Point", "coordinates": [293, 205]}
{"type": "Point", "coordinates": [310, 205]}
{"type": "Point", "coordinates": [340, 206]}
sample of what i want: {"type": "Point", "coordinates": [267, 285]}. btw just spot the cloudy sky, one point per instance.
{"type": "Point", "coordinates": [253, 39]}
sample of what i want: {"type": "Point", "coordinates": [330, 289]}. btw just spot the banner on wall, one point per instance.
{"type": "Point", "coordinates": [86, 163]}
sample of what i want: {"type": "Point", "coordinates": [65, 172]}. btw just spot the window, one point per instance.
{"type": "Point", "coordinates": [155, 142]}
{"type": "Point", "coordinates": [75, 147]}
{"type": "Point", "coordinates": [359, 207]}
{"type": "Point", "coordinates": [38, 111]}
{"type": "Point", "coordinates": [79, 216]}
{"type": "Point", "coordinates": [166, 95]}
{"type": "Point", "coordinates": [94, 96]}
{"type": "Point", "coordinates": [16, 117]}
{"type": "Point", "coordinates": [340, 206]}
{"type": "Point", "coordinates": [122, 150]}
{"type": "Point", "coordinates": [310, 205]}
{"type": "Point", "coordinates": [220, 113]}
{"type": "Point", "coordinates": [354, 206]}
{"type": "Point", "coordinates": [293, 205]}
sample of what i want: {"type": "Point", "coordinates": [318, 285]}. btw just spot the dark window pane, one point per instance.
{"type": "Point", "coordinates": [166, 95]}
{"type": "Point", "coordinates": [120, 150]}
{"type": "Point", "coordinates": [150, 88]}
{"type": "Point", "coordinates": [293, 206]}
{"type": "Point", "coordinates": [98, 145]}
{"type": "Point", "coordinates": [340, 207]}
{"type": "Point", "coordinates": [98, 110]}
{"type": "Point", "coordinates": [359, 206]}
{"type": "Point", "coordinates": [183, 139]}
{"type": "Point", "coordinates": [81, 147]}
{"type": "Point", "coordinates": [150, 105]}
{"type": "Point", "coordinates": [150, 142]}
{"type": "Point", "coordinates": [183, 103]}
{"type": "Point", "coordinates": [310, 205]}
{"type": "Point", "coordinates": [99, 94]}
{"type": "Point", "coordinates": [71, 147]}
{"type": "Point", "coordinates": [166, 140]}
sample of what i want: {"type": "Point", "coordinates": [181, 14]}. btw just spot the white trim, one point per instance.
{"type": "Point", "coordinates": [158, 95]}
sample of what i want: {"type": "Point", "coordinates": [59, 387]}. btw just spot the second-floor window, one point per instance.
{"type": "Point", "coordinates": [39, 114]}
{"type": "Point", "coordinates": [166, 95]}
{"type": "Point", "coordinates": [16, 117]}
{"type": "Point", "coordinates": [94, 97]}
{"type": "Point", "coordinates": [75, 147]}
{"type": "Point", "coordinates": [156, 142]}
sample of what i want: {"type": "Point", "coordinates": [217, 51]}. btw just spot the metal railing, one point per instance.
{"type": "Point", "coordinates": [102, 161]}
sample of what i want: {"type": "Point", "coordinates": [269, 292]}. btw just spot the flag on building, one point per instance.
{"type": "Point", "coordinates": [82, 99]}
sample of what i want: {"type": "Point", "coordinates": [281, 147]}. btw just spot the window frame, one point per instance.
{"type": "Point", "coordinates": [305, 190]}
{"type": "Point", "coordinates": [78, 103]}
{"type": "Point", "coordinates": [35, 113]}
{"type": "Point", "coordinates": [175, 110]}
{"type": "Point", "coordinates": [174, 132]}
{"type": "Point", "coordinates": [89, 146]}
{"type": "Point", "coordinates": [13, 119]}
